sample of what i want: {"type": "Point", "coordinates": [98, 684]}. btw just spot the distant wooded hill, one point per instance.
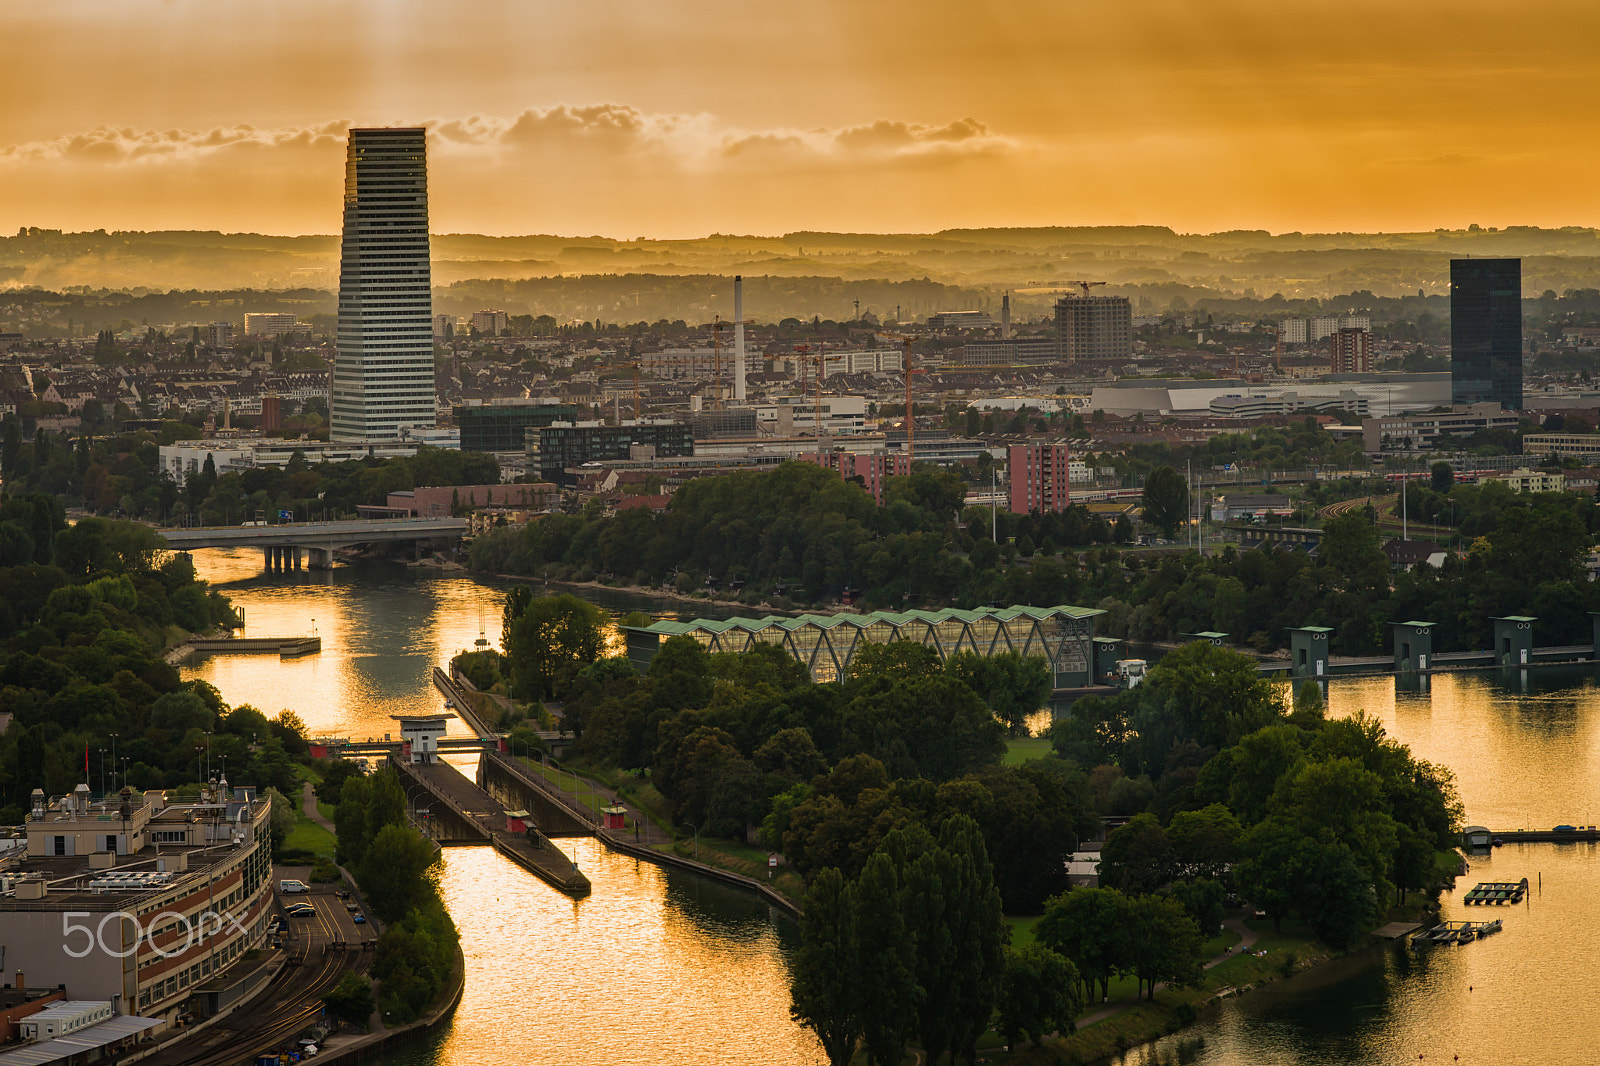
{"type": "Point", "coordinates": [807, 275]}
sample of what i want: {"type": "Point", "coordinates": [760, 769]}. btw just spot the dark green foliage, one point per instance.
{"type": "Point", "coordinates": [1166, 500]}
{"type": "Point", "coordinates": [1040, 994]}
{"type": "Point", "coordinates": [824, 971]}
{"type": "Point", "coordinates": [550, 642]}
{"type": "Point", "coordinates": [351, 999]}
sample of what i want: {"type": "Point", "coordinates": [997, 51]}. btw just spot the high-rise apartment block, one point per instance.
{"type": "Point", "coordinates": [1040, 478]}
{"type": "Point", "coordinates": [490, 323]}
{"type": "Point", "coordinates": [873, 468]}
{"type": "Point", "coordinates": [1351, 351]}
{"type": "Point", "coordinates": [1486, 331]}
{"type": "Point", "coordinates": [1094, 327]}
{"type": "Point", "coordinates": [383, 362]}
{"type": "Point", "coordinates": [444, 329]}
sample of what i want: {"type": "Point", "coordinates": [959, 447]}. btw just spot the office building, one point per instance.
{"type": "Point", "coordinates": [1350, 351]}
{"type": "Point", "coordinates": [1015, 351]}
{"type": "Point", "coordinates": [1486, 332]}
{"type": "Point", "coordinates": [502, 426]}
{"type": "Point", "coordinates": [1431, 430]}
{"type": "Point", "coordinates": [1038, 478]}
{"type": "Point", "coordinates": [1094, 327]}
{"type": "Point", "coordinates": [556, 449]}
{"type": "Point", "coordinates": [383, 362]}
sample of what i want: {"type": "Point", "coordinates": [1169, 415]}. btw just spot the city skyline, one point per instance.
{"type": "Point", "coordinates": [627, 120]}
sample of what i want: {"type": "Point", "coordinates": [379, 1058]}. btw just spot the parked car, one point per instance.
{"type": "Point", "coordinates": [290, 887]}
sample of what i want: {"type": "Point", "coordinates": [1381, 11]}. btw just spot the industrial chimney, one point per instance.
{"type": "Point", "coordinates": [1005, 317]}
{"type": "Point", "coordinates": [738, 339]}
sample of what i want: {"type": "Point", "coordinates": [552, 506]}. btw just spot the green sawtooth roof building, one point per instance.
{"type": "Point", "coordinates": [826, 643]}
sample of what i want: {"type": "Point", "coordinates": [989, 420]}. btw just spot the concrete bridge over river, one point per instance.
{"type": "Point", "coordinates": [285, 545]}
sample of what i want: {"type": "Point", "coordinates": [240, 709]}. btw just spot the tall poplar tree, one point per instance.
{"type": "Point", "coordinates": [823, 990]}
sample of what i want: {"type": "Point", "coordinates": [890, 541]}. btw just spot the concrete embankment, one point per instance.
{"type": "Point", "coordinates": [617, 842]}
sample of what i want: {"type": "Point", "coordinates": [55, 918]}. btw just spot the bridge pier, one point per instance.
{"type": "Point", "coordinates": [319, 558]}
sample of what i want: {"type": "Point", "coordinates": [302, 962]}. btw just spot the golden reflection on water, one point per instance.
{"type": "Point", "coordinates": [653, 967]}
{"type": "Point", "coordinates": [1521, 759]}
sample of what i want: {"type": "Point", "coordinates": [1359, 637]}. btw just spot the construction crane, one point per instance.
{"type": "Point", "coordinates": [906, 367]}
{"type": "Point", "coordinates": [716, 326]}
{"type": "Point", "coordinates": [1085, 285]}
{"type": "Point", "coordinates": [803, 350]}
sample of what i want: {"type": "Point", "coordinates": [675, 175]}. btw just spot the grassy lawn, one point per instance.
{"type": "Point", "coordinates": [1019, 750]}
{"type": "Point", "coordinates": [309, 836]}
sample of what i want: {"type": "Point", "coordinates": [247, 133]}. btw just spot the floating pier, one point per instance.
{"type": "Point", "coordinates": [1497, 892]}
{"type": "Point", "coordinates": [1455, 933]}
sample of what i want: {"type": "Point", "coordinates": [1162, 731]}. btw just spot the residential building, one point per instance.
{"type": "Point", "coordinates": [383, 361]}
{"type": "Point", "coordinates": [1486, 332]}
{"type": "Point", "coordinates": [1292, 331]}
{"type": "Point", "coordinates": [490, 323]}
{"type": "Point", "coordinates": [444, 329]}
{"type": "Point", "coordinates": [271, 414]}
{"type": "Point", "coordinates": [1350, 351]}
{"type": "Point", "coordinates": [1094, 327]}
{"type": "Point", "coordinates": [556, 451]}
{"type": "Point", "coordinates": [218, 335]}
{"type": "Point", "coordinates": [1039, 478]}
{"type": "Point", "coordinates": [502, 425]}
{"type": "Point", "coordinates": [1525, 480]}
{"type": "Point", "coordinates": [871, 468]}
{"type": "Point", "coordinates": [268, 323]}
{"type": "Point", "coordinates": [1425, 432]}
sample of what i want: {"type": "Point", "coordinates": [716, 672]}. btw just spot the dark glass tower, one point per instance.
{"type": "Point", "coordinates": [1486, 331]}
{"type": "Point", "coordinates": [383, 363]}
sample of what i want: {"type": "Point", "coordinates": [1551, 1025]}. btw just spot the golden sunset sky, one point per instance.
{"type": "Point", "coordinates": [677, 118]}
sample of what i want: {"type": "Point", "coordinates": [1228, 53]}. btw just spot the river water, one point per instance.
{"type": "Point", "coordinates": [660, 966]}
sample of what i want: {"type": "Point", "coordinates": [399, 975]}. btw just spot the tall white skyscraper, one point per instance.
{"type": "Point", "coordinates": [383, 364]}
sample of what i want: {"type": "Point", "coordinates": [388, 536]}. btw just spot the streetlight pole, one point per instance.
{"type": "Point", "coordinates": [114, 760]}
{"type": "Point", "coordinates": [102, 771]}
{"type": "Point", "coordinates": [696, 842]}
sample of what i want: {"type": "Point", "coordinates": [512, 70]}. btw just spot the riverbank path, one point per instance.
{"type": "Point", "coordinates": [1247, 940]}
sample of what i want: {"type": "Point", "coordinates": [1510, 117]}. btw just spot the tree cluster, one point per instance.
{"type": "Point", "coordinates": [86, 612]}
{"type": "Point", "coordinates": [1328, 819]}
{"type": "Point", "coordinates": [911, 949]}
{"type": "Point", "coordinates": [397, 869]}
